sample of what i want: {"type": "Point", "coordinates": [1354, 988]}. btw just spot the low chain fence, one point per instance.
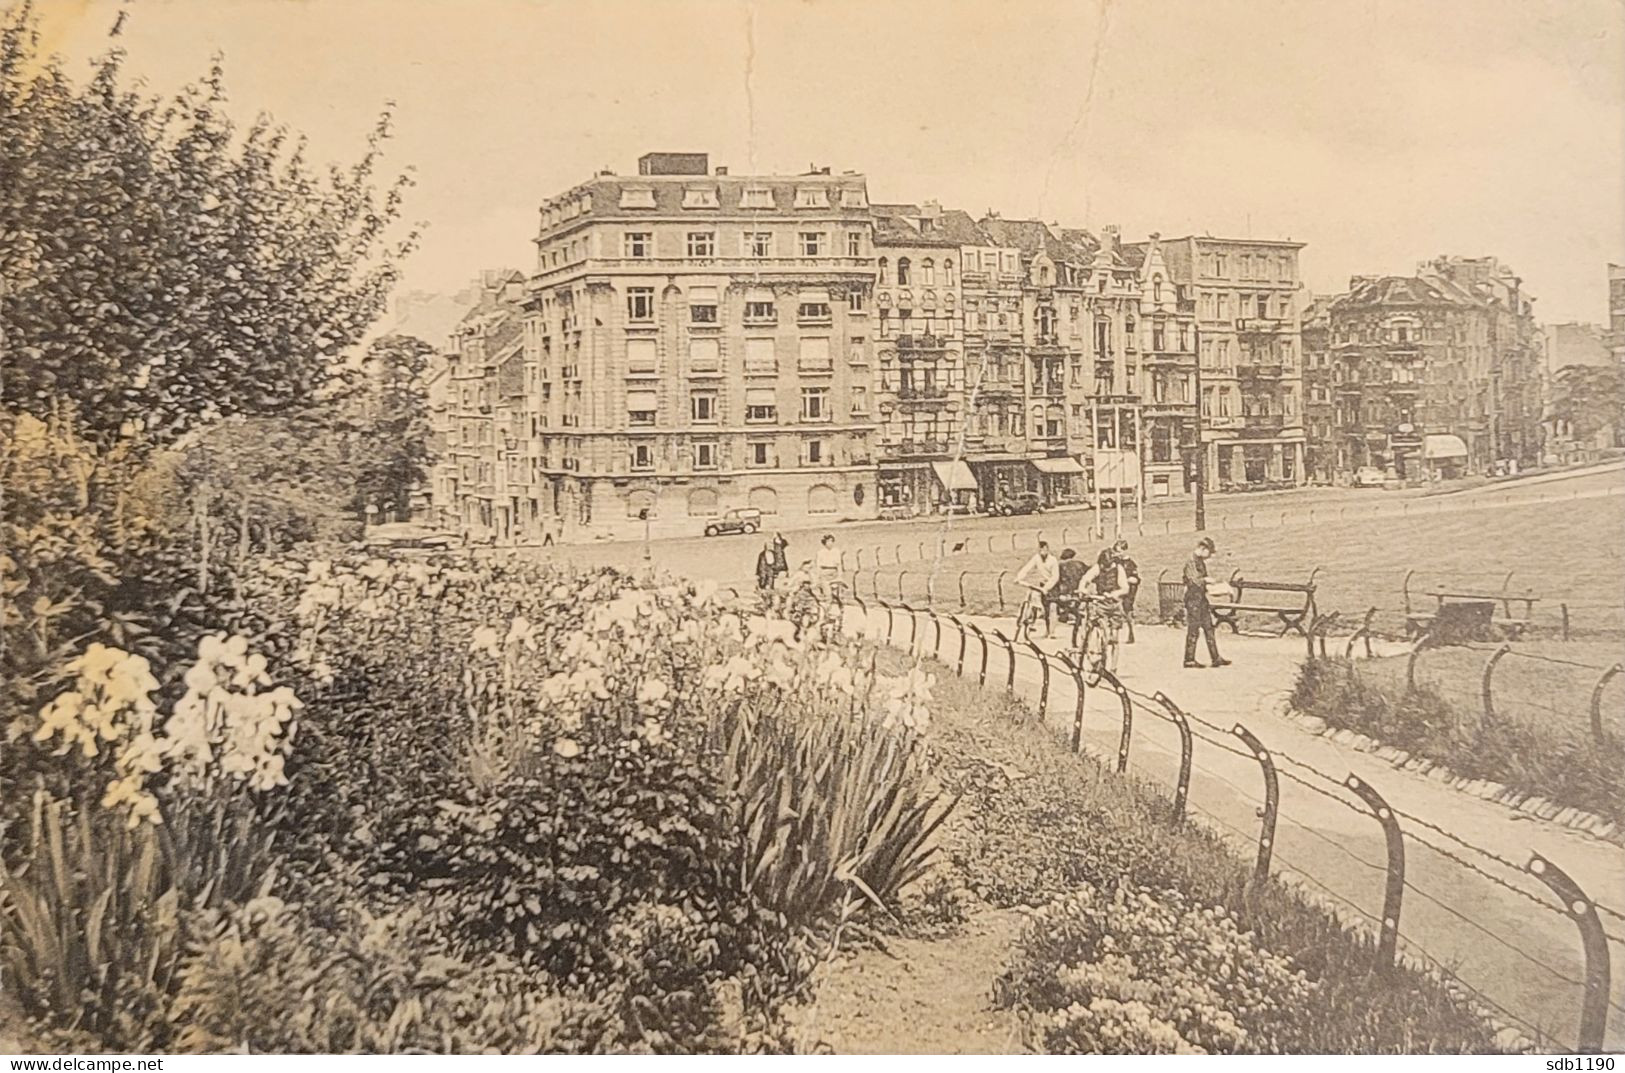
{"type": "Point", "coordinates": [1062, 688]}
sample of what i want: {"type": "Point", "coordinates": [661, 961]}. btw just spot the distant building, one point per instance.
{"type": "Point", "coordinates": [1574, 344]}
{"type": "Point", "coordinates": [692, 342]}
{"type": "Point", "coordinates": [1616, 312]}
{"type": "Point", "coordinates": [1435, 374]}
{"type": "Point", "coordinates": [699, 342]}
{"type": "Point", "coordinates": [1245, 295]}
{"type": "Point", "coordinates": [1319, 400]}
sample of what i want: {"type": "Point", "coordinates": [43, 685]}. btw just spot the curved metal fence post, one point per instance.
{"type": "Point", "coordinates": [1128, 718]}
{"type": "Point", "coordinates": [1388, 940]}
{"type": "Point", "coordinates": [959, 664]}
{"type": "Point", "coordinates": [857, 560]}
{"type": "Point", "coordinates": [1489, 689]}
{"type": "Point", "coordinates": [1598, 734]}
{"type": "Point", "coordinates": [936, 632]}
{"type": "Point", "coordinates": [1010, 664]}
{"type": "Point", "coordinates": [921, 547]}
{"type": "Point", "coordinates": [981, 674]}
{"type": "Point", "coordinates": [913, 625]}
{"type": "Point", "coordinates": [1594, 1011]}
{"type": "Point", "coordinates": [1182, 789]}
{"type": "Point", "coordinates": [901, 574]}
{"type": "Point", "coordinates": [897, 552]}
{"type": "Point", "coordinates": [1043, 689]}
{"type": "Point", "coordinates": [962, 574]}
{"type": "Point", "coordinates": [1078, 689]}
{"type": "Point", "coordinates": [1272, 802]}
{"type": "Point", "coordinates": [930, 590]}
{"type": "Point", "coordinates": [874, 582]}
{"type": "Point", "coordinates": [862, 607]}
{"type": "Point", "coordinates": [891, 619]}
{"type": "Point", "coordinates": [999, 582]}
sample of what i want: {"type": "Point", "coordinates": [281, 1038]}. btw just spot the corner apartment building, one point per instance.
{"type": "Point", "coordinates": [1319, 398]}
{"type": "Point", "coordinates": [702, 342]}
{"type": "Point", "coordinates": [1434, 374]}
{"type": "Point", "coordinates": [1250, 348]}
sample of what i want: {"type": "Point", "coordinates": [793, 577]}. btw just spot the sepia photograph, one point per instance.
{"type": "Point", "coordinates": [811, 527]}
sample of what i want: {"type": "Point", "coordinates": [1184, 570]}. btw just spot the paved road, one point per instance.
{"type": "Point", "coordinates": [1523, 955]}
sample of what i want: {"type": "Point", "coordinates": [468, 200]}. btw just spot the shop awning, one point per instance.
{"type": "Point", "coordinates": [1442, 446]}
{"type": "Point", "coordinates": [1066, 464]}
{"type": "Point", "coordinates": [955, 476]}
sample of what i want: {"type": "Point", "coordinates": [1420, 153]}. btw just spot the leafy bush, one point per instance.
{"type": "Point", "coordinates": [267, 977]}
{"type": "Point", "coordinates": [1420, 720]}
{"type": "Point", "coordinates": [1147, 973]}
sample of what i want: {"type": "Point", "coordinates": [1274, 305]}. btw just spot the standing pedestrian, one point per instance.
{"type": "Point", "coordinates": [767, 560]}
{"type": "Point", "coordinates": [781, 562]}
{"type": "Point", "coordinates": [828, 564]}
{"type": "Point", "coordinates": [1198, 611]}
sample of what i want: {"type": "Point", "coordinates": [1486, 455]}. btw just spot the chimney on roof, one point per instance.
{"type": "Point", "coordinates": [722, 169]}
{"type": "Point", "coordinates": [674, 164]}
{"type": "Point", "coordinates": [931, 209]}
{"type": "Point", "coordinates": [1109, 236]}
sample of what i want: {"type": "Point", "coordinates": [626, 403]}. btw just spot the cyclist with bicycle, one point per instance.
{"type": "Point", "coordinates": [1038, 577]}
{"type": "Point", "coordinates": [1103, 588]}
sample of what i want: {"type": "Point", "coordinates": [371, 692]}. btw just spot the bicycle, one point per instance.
{"type": "Point", "coordinates": [1097, 653]}
{"type": "Point", "coordinates": [1031, 610]}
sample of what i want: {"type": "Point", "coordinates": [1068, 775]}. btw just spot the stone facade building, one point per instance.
{"type": "Point", "coordinates": [1246, 305]}
{"type": "Point", "coordinates": [1435, 374]}
{"type": "Point", "coordinates": [692, 342]}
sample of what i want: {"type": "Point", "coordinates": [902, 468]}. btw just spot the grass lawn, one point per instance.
{"type": "Point", "coordinates": [1036, 824]}
{"type": "Point", "coordinates": [1566, 553]}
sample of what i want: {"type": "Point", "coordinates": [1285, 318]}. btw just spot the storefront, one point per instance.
{"type": "Point", "coordinates": [1060, 479]}
{"type": "Point", "coordinates": [958, 490]}
{"type": "Point", "coordinates": [1445, 456]}
{"type": "Point", "coordinates": [1002, 477]}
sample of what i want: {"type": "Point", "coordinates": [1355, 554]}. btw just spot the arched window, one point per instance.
{"type": "Point", "coordinates": [702, 503]}
{"type": "Point", "coordinates": [1156, 289]}
{"type": "Point", "coordinates": [636, 502]}
{"type": "Point", "coordinates": [947, 272]}
{"type": "Point", "coordinates": [821, 499]}
{"type": "Point", "coordinates": [928, 270]}
{"type": "Point", "coordinates": [883, 264]}
{"type": "Point", "coordinates": [765, 500]}
{"type": "Point", "coordinates": [1038, 421]}
{"type": "Point", "coordinates": [902, 271]}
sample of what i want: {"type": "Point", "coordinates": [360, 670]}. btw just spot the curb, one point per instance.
{"type": "Point", "coordinates": [1532, 805]}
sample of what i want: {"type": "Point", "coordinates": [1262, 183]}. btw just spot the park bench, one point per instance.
{"type": "Point", "coordinates": [1515, 610]}
{"type": "Point", "coordinates": [1292, 602]}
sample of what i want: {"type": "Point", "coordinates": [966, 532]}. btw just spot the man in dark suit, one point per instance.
{"type": "Point", "coordinates": [1198, 613]}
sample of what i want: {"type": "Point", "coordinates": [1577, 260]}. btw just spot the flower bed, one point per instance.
{"type": "Point", "coordinates": [612, 811]}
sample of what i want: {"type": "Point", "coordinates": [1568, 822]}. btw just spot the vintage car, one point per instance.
{"type": "Point", "coordinates": [737, 520]}
{"type": "Point", "coordinates": [1020, 503]}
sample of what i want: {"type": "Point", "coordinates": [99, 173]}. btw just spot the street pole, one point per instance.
{"type": "Point", "coordinates": [1094, 460]}
{"type": "Point", "coordinates": [1117, 446]}
{"type": "Point", "coordinates": [1139, 467]}
{"type": "Point", "coordinates": [1201, 448]}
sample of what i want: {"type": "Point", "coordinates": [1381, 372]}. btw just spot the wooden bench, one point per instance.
{"type": "Point", "coordinates": [1510, 623]}
{"type": "Point", "coordinates": [1294, 603]}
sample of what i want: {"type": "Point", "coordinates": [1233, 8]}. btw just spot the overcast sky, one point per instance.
{"type": "Point", "coordinates": [1378, 132]}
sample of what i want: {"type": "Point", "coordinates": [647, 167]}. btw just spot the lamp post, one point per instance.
{"type": "Point", "coordinates": [643, 516]}
{"type": "Point", "coordinates": [1201, 448]}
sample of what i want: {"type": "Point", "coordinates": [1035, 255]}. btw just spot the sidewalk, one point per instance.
{"type": "Point", "coordinates": [1458, 918]}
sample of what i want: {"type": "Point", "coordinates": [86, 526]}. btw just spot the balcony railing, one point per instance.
{"type": "Point", "coordinates": [926, 341]}
{"type": "Point", "coordinates": [1260, 370]}
{"type": "Point", "coordinates": [1259, 325]}
{"type": "Point", "coordinates": [1262, 424]}
{"type": "Point", "coordinates": [923, 394]}
{"type": "Point", "coordinates": [914, 449]}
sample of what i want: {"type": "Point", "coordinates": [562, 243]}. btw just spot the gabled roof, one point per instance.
{"type": "Point", "coordinates": [1403, 291]}
{"type": "Point", "coordinates": [1031, 237]}
{"type": "Point", "coordinates": [959, 226]}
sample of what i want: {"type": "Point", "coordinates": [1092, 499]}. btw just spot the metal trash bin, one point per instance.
{"type": "Point", "coordinates": [1170, 602]}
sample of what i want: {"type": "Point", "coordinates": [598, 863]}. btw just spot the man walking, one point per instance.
{"type": "Point", "coordinates": [1198, 613]}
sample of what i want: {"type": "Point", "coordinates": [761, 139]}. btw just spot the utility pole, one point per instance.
{"type": "Point", "coordinates": [1201, 448]}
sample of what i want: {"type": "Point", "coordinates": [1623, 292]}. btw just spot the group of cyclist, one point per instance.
{"type": "Point", "coordinates": [1097, 598]}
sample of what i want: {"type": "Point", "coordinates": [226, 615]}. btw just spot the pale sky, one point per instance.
{"type": "Point", "coordinates": [1380, 132]}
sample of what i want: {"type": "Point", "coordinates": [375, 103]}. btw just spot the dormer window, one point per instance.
{"type": "Point", "coordinates": [637, 197]}
{"type": "Point", "coordinates": [812, 197]}
{"type": "Point", "coordinates": [756, 197]}
{"type": "Point", "coordinates": [853, 199]}
{"type": "Point", "coordinates": [700, 197]}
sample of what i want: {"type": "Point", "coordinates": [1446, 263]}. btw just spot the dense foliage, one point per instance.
{"type": "Point", "coordinates": [1561, 766]}
{"type": "Point", "coordinates": [164, 269]}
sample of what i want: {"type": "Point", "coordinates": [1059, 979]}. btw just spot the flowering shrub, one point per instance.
{"type": "Point", "coordinates": [1149, 973]}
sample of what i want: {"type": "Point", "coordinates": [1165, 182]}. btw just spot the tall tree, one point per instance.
{"type": "Point", "coordinates": [164, 269]}
{"type": "Point", "coordinates": [1591, 398]}
{"type": "Point", "coordinates": [387, 411]}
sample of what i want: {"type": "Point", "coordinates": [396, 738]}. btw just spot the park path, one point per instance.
{"type": "Point", "coordinates": [1505, 937]}
{"type": "Point", "coordinates": [921, 996]}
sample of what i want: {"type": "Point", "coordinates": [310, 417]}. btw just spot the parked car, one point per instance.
{"type": "Point", "coordinates": [1369, 477]}
{"type": "Point", "coordinates": [1020, 503]}
{"type": "Point", "coordinates": [405, 537]}
{"type": "Point", "coordinates": [737, 520]}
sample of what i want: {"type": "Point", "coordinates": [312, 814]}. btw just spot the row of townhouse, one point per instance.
{"type": "Point", "coordinates": [1435, 374]}
{"type": "Point", "coordinates": [693, 341]}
